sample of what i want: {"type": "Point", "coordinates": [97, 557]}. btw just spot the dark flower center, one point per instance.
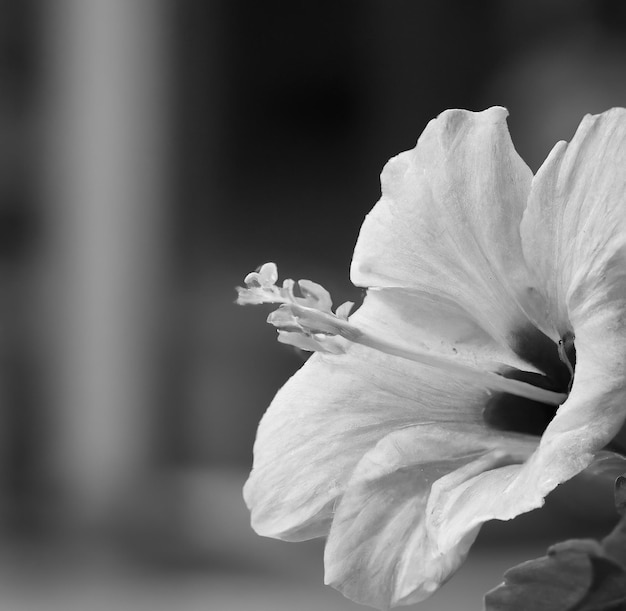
{"type": "Point", "coordinates": [507, 412]}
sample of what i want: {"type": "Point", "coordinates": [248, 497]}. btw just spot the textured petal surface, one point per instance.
{"type": "Point", "coordinates": [447, 223]}
{"type": "Point", "coordinates": [574, 234]}
{"type": "Point", "coordinates": [336, 408]}
{"type": "Point", "coordinates": [379, 551]}
{"type": "Point", "coordinates": [435, 324]}
{"type": "Point", "coordinates": [581, 427]}
{"type": "Point", "coordinates": [574, 229]}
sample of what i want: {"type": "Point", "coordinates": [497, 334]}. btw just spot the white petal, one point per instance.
{"type": "Point", "coordinates": [336, 408]}
{"type": "Point", "coordinates": [379, 551]}
{"type": "Point", "coordinates": [325, 418]}
{"type": "Point", "coordinates": [448, 222]}
{"type": "Point", "coordinates": [607, 466]}
{"type": "Point", "coordinates": [583, 425]}
{"type": "Point", "coordinates": [435, 325]}
{"type": "Point", "coordinates": [574, 236]}
{"type": "Point", "coordinates": [574, 230]}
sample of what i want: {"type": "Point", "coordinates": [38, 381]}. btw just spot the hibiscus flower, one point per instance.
{"type": "Point", "coordinates": [485, 366]}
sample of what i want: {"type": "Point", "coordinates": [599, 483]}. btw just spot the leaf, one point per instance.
{"type": "Point", "coordinates": [576, 575]}
{"type": "Point", "coordinates": [556, 582]}
{"type": "Point", "coordinates": [608, 592]}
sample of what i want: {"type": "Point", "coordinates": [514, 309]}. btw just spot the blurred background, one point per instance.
{"type": "Point", "coordinates": [151, 154]}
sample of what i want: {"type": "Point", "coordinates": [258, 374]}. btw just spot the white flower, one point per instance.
{"type": "Point", "coordinates": [493, 297]}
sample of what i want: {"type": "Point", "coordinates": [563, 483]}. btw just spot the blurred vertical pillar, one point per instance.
{"type": "Point", "coordinates": [105, 189]}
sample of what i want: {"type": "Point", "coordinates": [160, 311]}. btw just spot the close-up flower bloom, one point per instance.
{"type": "Point", "coordinates": [486, 365]}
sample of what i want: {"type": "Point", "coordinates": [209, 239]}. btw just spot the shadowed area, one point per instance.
{"type": "Point", "coordinates": [507, 412]}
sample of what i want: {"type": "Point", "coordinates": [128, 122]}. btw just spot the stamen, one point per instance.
{"type": "Point", "coordinates": [309, 323]}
